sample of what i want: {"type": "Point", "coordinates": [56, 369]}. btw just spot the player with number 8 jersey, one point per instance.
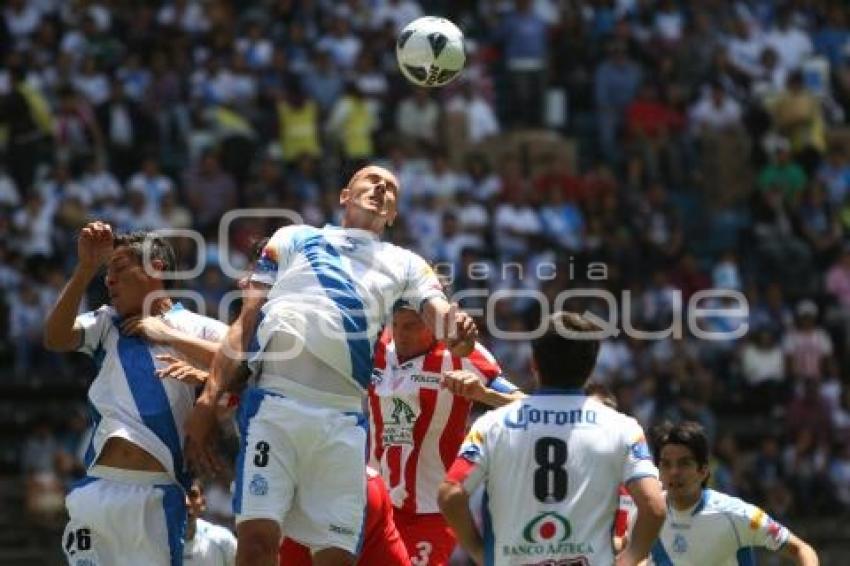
{"type": "Point", "coordinates": [550, 465]}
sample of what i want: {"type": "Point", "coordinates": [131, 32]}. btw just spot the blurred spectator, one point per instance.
{"type": "Point", "coordinates": [416, 119]}
{"type": "Point", "coordinates": [126, 129]}
{"type": "Point", "coordinates": [151, 182]}
{"type": "Point", "coordinates": [807, 345]}
{"type": "Point", "coordinates": [763, 369]}
{"type": "Point", "coordinates": [479, 118]}
{"type": "Point", "coordinates": [798, 116]}
{"type": "Point", "coordinates": [351, 123]}
{"type": "Point", "coordinates": [322, 81]}
{"type": "Point", "coordinates": [616, 83]}
{"type": "Point", "coordinates": [523, 36]}
{"type": "Point", "coordinates": [45, 495]}
{"type": "Point", "coordinates": [782, 174]}
{"type": "Point", "coordinates": [210, 191]}
{"type": "Point", "coordinates": [298, 125]}
{"type": "Point", "coordinates": [791, 43]}
{"type": "Point", "coordinates": [834, 173]}
{"type": "Point", "coordinates": [715, 112]}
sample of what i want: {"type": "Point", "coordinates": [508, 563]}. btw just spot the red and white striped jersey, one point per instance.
{"type": "Point", "coordinates": [417, 426]}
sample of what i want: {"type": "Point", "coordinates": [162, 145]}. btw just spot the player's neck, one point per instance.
{"type": "Point", "coordinates": [191, 528]}
{"type": "Point", "coordinates": [414, 352]}
{"type": "Point", "coordinates": [686, 502]}
{"type": "Point", "coordinates": [372, 223]}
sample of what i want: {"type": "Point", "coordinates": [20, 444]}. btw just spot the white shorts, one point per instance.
{"type": "Point", "coordinates": [125, 517]}
{"type": "Point", "coordinates": [303, 466]}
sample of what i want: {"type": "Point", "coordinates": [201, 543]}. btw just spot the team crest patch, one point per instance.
{"type": "Point", "coordinates": [258, 486]}
{"type": "Point", "coordinates": [680, 544]}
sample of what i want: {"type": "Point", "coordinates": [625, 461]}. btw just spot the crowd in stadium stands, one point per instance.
{"type": "Point", "coordinates": [707, 149]}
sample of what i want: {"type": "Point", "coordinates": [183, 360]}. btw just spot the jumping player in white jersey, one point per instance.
{"type": "Point", "coordinates": [704, 526]}
{"type": "Point", "coordinates": [420, 399]}
{"type": "Point", "coordinates": [551, 464]}
{"type": "Point", "coordinates": [206, 544]}
{"type": "Point", "coordinates": [130, 507]}
{"type": "Point", "coordinates": [301, 468]}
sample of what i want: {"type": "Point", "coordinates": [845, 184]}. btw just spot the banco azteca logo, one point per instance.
{"type": "Point", "coordinates": [547, 527]}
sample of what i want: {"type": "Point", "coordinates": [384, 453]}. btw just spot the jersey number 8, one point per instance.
{"type": "Point", "coordinates": [550, 477]}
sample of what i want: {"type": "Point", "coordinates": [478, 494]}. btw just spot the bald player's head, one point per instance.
{"type": "Point", "coordinates": [370, 199]}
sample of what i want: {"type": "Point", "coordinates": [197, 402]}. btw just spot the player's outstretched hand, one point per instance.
{"type": "Point", "coordinates": [201, 441]}
{"type": "Point", "coordinates": [151, 327]}
{"type": "Point", "coordinates": [463, 383]}
{"type": "Point", "coordinates": [181, 371]}
{"type": "Point", "coordinates": [461, 332]}
{"type": "Point", "coordinates": [95, 245]}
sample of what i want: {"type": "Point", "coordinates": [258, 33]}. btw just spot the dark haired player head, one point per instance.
{"type": "Point", "coordinates": [681, 453]}
{"type": "Point", "coordinates": [565, 354]}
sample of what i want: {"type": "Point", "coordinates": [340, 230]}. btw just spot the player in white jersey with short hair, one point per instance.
{"type": "Point", "coordinates": [130, 508]}
{"type": "Point", "coordinates": [206, 544]}
{"type": "Point", "coordinates": [550, 465]}
{"type": "Point", "coordinates": [704, 526]}
{"type": "Point", "coordinates": [301, 468]}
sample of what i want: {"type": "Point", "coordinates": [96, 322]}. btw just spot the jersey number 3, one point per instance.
{"type": "Point", "coordinates": [550, 477]}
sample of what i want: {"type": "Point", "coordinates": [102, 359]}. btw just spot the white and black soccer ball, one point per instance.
{"type": "Point", "coordinates": [430, 51]}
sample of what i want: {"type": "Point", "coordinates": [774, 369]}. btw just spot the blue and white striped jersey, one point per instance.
{"type": "Point", "coordinates": [720, 530]}
{"type": "Point", "coordinates": [333, 289]}
{"type": "Point", "coordinates": [127, 398]}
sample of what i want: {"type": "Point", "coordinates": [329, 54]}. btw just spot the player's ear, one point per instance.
{"type": "Point", "coordinates": [158, 266]}
{"type": "Point", "coordinates": [344, 196]}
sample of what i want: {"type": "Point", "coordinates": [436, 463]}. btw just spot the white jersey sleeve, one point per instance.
{"type": "Point", "coordinates": [422, 283]}
{"type": "Point", "coordinates": [94, 325]}
{"type": "Point", "coordinates": [755, 527]}
{"type": "Point", "coordinates": [471, 466]}
{"type": "Point", "coordinates": [275, 255]}
{"type": "Point", "coordinates": [638, 462]}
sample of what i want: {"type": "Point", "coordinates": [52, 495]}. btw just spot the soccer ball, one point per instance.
{"type": "Point", "coordinates": [430, 51]}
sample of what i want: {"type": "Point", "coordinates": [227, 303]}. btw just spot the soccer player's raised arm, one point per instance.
{"type": "Point", "coordinates": [94, 247]}
{"type": "Point", "coordinates": [800, 552]}
{"type": "Point", "coordinates": [451, 325]}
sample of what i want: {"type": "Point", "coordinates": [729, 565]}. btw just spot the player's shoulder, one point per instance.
{"type": "Point", "coordinates": [500, 417]}
{"type": "Point", "coordinates": [197, 324]}
{"type": "Point", "coordinates": [717, 502]}
{"type": "Point", "coordinates": [102, 312]}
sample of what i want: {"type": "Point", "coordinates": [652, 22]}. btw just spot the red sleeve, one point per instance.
{"type": "Point", "coordinates": [483, 363]}
{"type": "Point", "coordinates": [460, 470]}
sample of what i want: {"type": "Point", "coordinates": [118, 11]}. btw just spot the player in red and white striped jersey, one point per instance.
{"type": "Point", "coordinates": [420, 400]}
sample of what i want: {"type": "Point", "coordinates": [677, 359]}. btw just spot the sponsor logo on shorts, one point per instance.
{"type": "Point", "coordinates": [341, 530]}
{"type": "Point", "coordinates": [258, 486]}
